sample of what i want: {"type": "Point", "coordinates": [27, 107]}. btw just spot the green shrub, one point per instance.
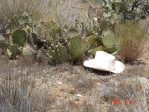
{"type": "Point", "coordinates": [77, 47]}
{"type": "Point", "coordinates": [19, 37]}
{"type": "Point", "coordinates": [131, 38]}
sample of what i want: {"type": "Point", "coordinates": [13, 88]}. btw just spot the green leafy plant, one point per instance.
{"type": "Point", "coordinates": [132, 39]}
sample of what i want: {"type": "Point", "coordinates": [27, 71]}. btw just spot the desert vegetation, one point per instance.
{"type": "Point", "coordinates": [43, 46]}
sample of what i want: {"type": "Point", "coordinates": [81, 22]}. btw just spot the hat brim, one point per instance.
{"type": "Point", "coordinates": [117, 68]}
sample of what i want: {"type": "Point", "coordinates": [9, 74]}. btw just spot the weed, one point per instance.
{"type": "Point", "coordinates": [132, 39]}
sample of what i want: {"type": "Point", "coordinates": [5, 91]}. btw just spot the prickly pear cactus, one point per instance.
{"type": "Point", "coordinates": [110, 43]}
{"type": "Point", "coordinates": [13, 51]}
{"type": "Point", "coordinates": [93, 41]}
{"type": "Point", "coordinates": [93, 51]}
{"type": "Point", "coordinates": [59, 54]}
{"type": "Point", "coordinates": [112, 50]}
{"type": "Point", "coordinates": [77, 47]}
{"type": "Point", "coordinates": [109, 39]}
{"type": "Point", "coordinates": [103, 25]}
{"type": "Point", "coordinates": [19, 37]}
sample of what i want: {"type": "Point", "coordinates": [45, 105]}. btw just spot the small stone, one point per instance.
{"type": "Point", "coordinates": [59, 83]}
{"type": "Point", "coordinates": [79, 95]}
{"type": "Point", "coordinates": [76, 99]}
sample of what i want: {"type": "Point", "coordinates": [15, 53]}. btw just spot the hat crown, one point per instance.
{"type": "Point", "coordinates": [100, 55]}
{"type": "Point", "coordinates": [105, 60]}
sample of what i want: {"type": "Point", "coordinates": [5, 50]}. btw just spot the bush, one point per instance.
{"type": "Point", "coordinates": [131, 38]}
{"type": "Point", "coordinates": [72, 50]}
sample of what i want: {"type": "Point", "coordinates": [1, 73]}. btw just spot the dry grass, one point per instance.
{"type": "Point", "coordinates": [144, 24]}
{"type": "Point", "coordinates": [9, 9]}
{"type": "Point", "coordinates": [132, 40]}
{"type": "Point", "coordinates": [26, 87]}
{"type": "Point", "coordinates": [20, 89]}
{"type": "Point", "coordinates": [82, 83]}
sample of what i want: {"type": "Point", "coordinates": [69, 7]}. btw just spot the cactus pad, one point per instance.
{"type": "Point", "coordinates": [19, 37]}
{"type": "Point", "coordinates": [77, 47]}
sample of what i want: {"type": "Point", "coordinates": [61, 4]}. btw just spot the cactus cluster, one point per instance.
{"type": "Point", "coordinates": [107, 42]}
{"type": "Point", "coordinates": [66, 44]}
{"type": "Point", "coordinates": [70, 50]}
{"type": "Point", "coordinates": [61, 49]}
{"type": "Point", "coordinates": [63, 44]}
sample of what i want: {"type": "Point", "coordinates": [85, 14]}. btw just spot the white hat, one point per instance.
{"type": "Point", "coordinates": [106, 62]}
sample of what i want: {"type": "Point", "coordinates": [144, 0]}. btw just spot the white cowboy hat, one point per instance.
{"type": "Point", "coordinates": [106, 62]}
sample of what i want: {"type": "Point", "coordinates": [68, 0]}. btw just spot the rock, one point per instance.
{"type": "Point", "coordinates": [29, 53]}
{"type": "Point", "coordinates": [70, 10]}
{"type": "Point", "coordinates": [78, 95]}
{"type": "Point", "coordinates": [59, 83]}
{"type": "Point", "coordinates": [76, 99]}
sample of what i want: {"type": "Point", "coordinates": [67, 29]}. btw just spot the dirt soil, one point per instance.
{"type": "Point", "coordinates": [78, 89]}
